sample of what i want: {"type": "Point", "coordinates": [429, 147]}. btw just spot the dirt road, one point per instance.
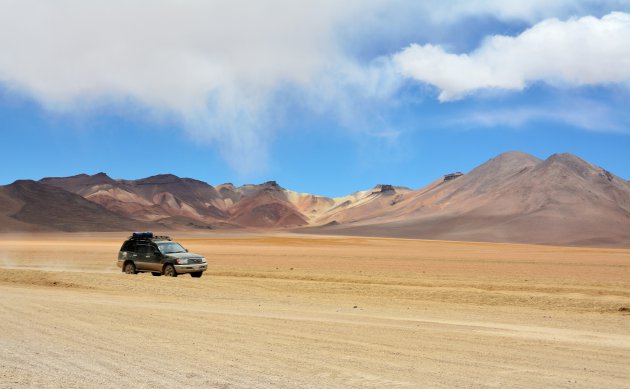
{"type": "Point", "coordinates": [291, 311]}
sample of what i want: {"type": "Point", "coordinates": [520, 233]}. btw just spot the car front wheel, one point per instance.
{"type": "Point", "coordinates": [169, 271]}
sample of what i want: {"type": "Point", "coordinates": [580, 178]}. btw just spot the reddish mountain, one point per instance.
{"type": "Point", "coordinates": [174, 201]}
{"type": "Point", "coordinates": [514, 197]}
{"type": "Point", "coordinates": [265, 205]}
{"type": "Point", "coordinates": [187, 203]}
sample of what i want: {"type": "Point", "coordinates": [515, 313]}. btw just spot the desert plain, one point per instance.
{"type": "Point", "coordinates": [288, 310]}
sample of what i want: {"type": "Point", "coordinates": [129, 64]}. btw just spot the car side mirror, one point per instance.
{"type": "Point", "coordinates": [186, 250]}
{"type": "Point", "coordinates": [157, 253]}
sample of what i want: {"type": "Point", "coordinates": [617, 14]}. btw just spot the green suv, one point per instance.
{"type": "Point", "coordinates": [144, 252]}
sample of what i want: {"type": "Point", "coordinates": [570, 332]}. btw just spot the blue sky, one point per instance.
{"type": "Point", "coordinates": [322, 98]}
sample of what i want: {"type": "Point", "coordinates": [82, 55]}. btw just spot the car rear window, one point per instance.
{"type": "Point", "coordinates": [129, 245]}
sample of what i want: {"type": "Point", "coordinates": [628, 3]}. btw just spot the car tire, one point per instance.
{"type": "Point", "coordinates": [130, 268]}
{"type": "Point", "coordinates": [196, 274]}
{"type": "Point", "coordinates": [169, 271]}
{"type": "Point", "coordinates": [156, 273]}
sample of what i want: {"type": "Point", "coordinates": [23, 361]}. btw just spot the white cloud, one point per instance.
{"type": "Point", "coordinates": [214, 65]}
{"type": "Point", "coordinates": [576, 52]}
{"type": "Point", "coordinates": [219, 66]}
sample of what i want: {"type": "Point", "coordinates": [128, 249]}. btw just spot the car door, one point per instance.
{"type": "Point", "coordinates": [147, 258]}
{"type": "Point", "coordinates": [154, 258]}
{"type": "Point", "coordinates": [143, 258]}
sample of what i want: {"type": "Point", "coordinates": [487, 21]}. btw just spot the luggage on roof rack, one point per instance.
{"type": "Point", "coordinates": [142, 235]}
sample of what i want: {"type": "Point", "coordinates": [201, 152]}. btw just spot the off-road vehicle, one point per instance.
{"type": "Point", "coordinates": [145, 252]}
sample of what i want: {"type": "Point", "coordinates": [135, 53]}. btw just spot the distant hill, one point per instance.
{"type": "Point", "coordinates": [514, 197]}
{"type": "Point", "coordinates": [32, 206]}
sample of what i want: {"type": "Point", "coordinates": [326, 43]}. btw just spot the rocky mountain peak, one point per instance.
{"type": "Point", "coordinates": [384, 188]}
{"type": "Point", "coordinates": [24, 184]}
{"type": "Point", "coordinates": [452, 176]}
{"type": "Point", "coordinates": [271, 185]}
{"type": "Point", "coordinates": [568, 162]}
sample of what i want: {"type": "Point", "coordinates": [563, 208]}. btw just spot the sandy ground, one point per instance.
{"type": "Point", "coordinates": [313, 311]}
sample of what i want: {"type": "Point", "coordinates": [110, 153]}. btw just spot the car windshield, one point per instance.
{"type": "Point", "coordinates": [171, 247]}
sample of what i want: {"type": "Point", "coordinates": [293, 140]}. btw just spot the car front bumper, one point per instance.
{"type": "Point", "coordinates": [192, 268]}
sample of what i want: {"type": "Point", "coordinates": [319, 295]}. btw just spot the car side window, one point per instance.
{"type": "Point", "coordinates": [144, 249]}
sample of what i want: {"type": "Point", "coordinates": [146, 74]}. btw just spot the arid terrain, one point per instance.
{"type": "Point", "coordinates": [316, 311]}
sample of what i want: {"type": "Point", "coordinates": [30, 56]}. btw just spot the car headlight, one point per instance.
{"type": "Point", "coordinates": [182, 261]}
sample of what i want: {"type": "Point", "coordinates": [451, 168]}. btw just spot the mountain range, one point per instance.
{"type": "Point", "coordinates": [514, 197]}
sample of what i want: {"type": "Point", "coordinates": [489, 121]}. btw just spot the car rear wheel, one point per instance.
{"type": "Point", "coordinates": [169, 271]}
{"type": "Point", "coordinates": [196, 274]}
{"type": "Point", "coordinates": [156, 273]}
{"type": "Point", "coordinates": [130, 268]}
